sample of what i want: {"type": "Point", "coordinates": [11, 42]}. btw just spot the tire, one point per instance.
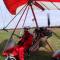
{"type": "Point", "coordinates": [10, 58]}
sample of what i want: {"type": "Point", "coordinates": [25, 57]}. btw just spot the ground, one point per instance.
{"type": "Point", "coordinates": [54, 41]}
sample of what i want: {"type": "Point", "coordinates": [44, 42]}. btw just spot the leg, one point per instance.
{"type": "Point", "coordinates": [15, 51]}
{"type": "Point", "coordinates": [21, 53]}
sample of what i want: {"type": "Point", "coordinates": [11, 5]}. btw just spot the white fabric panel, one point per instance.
{"type": "Point", "coordinates": [54, 18]}
{"type": "Point", "coordinates": [41, 16]}
{"type": "Point", "coordinates": [50, 5]}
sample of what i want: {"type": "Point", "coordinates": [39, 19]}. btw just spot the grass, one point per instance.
{"type": "Point", "coordinates": [4, 35]}
{"type": "Point", "coordinates": [53, 41]}
{"type": "Point", "coordinates": [1, 57]}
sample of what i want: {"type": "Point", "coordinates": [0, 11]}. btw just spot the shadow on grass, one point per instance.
{"type": "Point", "coordinates": [39, 55]}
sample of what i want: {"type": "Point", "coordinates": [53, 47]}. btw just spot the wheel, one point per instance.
{"type": "Point", "coordinates": [10, 58]}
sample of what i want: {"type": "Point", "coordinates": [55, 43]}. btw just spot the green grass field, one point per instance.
{"type": "Point", "coordinates": [54, 42]}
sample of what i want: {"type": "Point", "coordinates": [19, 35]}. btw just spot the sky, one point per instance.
{"type": "Point", "coordinates": [41, 17]}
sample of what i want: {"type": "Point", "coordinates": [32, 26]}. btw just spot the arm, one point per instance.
{"type": "Point", "coordinates": [17, 35]}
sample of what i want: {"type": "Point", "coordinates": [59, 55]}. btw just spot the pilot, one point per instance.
{"type": "Point", "coordinates": [23, 45]}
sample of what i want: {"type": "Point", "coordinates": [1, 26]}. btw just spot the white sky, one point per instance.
{"type": "Point", "coordinates": [5, 17]}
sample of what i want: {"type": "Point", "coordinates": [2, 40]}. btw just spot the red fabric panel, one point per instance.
{"type": "Point", "coordinates": [12, 5]}
{"type": "Point", "coordinates": [49, 0]}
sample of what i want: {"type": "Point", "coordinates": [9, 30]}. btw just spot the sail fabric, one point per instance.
{"type": "Point", "coordinates": [12, 5]}
{"type": "Point", "coordinates": [48, 0]}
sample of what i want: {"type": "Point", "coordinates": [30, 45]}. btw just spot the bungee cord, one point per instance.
{"type": "Point", "coordinates": [34, 16]}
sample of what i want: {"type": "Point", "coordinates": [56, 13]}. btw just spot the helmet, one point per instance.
{"type": "Point", "coordinates": [25, 28]}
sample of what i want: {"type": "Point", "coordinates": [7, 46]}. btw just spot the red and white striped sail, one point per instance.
{"type": "Point", "coordinates": [9, 8]}
{"type": "Point", "coordinates": [12, 5]}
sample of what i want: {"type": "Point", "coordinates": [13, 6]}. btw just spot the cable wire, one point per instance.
{"type": "Point", "coordinates": [15, 28]}
{"type": "Point", "coordinates": [25, 17]}
{"type": "Point", "coordinates": [14, 17]}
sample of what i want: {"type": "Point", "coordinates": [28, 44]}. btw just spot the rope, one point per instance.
{"type": "Point", "coordinates": [14, 17]}
{"type": "Point", "coordinates": [25, 17]}
{"type": "Point", "coordinates": [34, 16]}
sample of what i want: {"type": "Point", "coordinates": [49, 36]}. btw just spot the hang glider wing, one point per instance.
{"type": "Point", "coordinates": [48, 0]}
{"type": "Point", "coordinates": [12, 5]}
{"type": "Point", "coordinates": [50, 4]}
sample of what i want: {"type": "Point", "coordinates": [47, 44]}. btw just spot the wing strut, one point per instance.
{"type": "Point", "coordinates": [25, 17]}
{"type": "Point", "coordinates": [16, 26]}
{"type": "Point", "coordinates": [14, 17]}
{"type": "Point", "coordinates": [34, 16]}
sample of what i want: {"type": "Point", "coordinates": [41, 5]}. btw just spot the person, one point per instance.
{"type": "Point", "coordinates": [41, 36]}
{"type": "Point", "coordinates": [23, 45]}
{"type": "Point", "coordinates": [41, 33]}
